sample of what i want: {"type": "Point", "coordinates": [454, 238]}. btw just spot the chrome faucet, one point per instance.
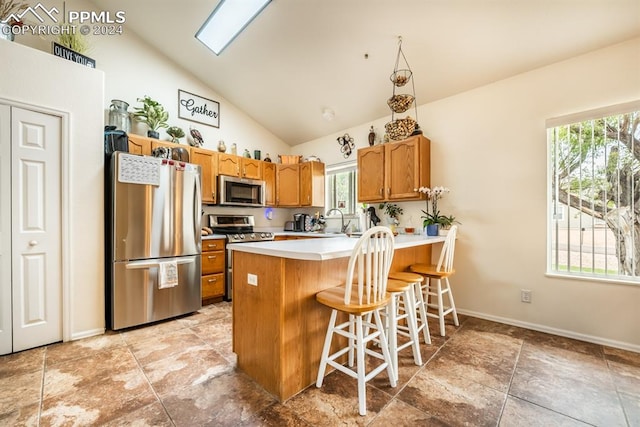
{"type": "Point", "coordinates": [343, 227]}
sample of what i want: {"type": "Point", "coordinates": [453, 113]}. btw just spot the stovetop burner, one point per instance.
{"type": "Point", "coordinates": [237, 228]}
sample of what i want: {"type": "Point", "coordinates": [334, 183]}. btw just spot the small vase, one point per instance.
{"type": "Point", "coordinates": [432, 229]}
{"type": "Point", "coordinates": [222, 147]}
{"type": "Point", "coordinates": [153, 134]}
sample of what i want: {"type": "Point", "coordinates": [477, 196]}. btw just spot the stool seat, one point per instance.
{"type": "Point", "coordinates": [334, 298]}
{"type": "Point", "coordinates": [430, 270]}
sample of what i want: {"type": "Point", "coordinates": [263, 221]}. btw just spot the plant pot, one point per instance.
{"type": "Point", "coordinates": [153, 134]}
{"type": "Point", "coordinates": [432, 229]}
{"type": "Point", "coordinates": [5, 32]}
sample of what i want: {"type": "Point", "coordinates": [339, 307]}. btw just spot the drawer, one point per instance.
{"type": "Point", "coordinates": [212, 285]}
{"type": "Point", "coordinates": [212, 262]}
{"type": "Point", "coordinates": [212, 245]}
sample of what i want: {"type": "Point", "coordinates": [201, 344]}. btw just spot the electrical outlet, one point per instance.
{"type": "Point", "coordinates": [252, 279]}
{"type": "Point", "coordinates": [525, 295]}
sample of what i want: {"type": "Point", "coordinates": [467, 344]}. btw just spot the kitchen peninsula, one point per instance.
{"type": "Point", "coordinates": [278, 326]}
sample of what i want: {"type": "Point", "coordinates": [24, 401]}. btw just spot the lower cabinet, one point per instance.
{"type": "Point", "coordinates": [213, 270]}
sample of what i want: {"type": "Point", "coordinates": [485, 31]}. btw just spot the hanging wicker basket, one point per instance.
{"type": "Point", "coordinates": [400, 103]}
{"type": "Point", "coordinates": [401, 77]}
{"type": "Point", "coordinates": [400, 128]}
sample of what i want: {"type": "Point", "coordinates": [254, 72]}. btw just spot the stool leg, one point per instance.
{"type": "Point", "coordinates": [326, 348]}
{"type": "Point", "coordinates": [362, 385]}
{"type": "Point", "coordinates": [385, 348]}
{"type": "Point", "coordinates": [421, 310]}
{"type": "Point", "coordinates": [412, 323]}
{"type": "Point", "coordinates": [440, 307]}
{"type": "Point", "coordinates": [451, 303]}
{"type": "Point", "coordinates": [392, 324]}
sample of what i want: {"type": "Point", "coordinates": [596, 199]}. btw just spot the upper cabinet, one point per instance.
{"type": "Point", "coordinates": [269, 176]}
{"type": "Point", "coordinates": [393, 170]}
{"type": "Point", "coordinates": [242, 167]}
{"type": "Point", "coordinates": [288, 185]}
{"type": "Point", "coordinates": [208, 161]}
{"type": "Point", "coordinates": [312, 184]}
{"type": "Point", "coordinates": [139, 145]}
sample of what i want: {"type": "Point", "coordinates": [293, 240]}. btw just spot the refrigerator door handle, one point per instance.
{"type": "Point", "coordinates": [197, 207]}
{"type": "Point", "coordinates": [140, 265]}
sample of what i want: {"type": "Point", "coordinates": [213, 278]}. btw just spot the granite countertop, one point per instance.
{"type": "Point", "coordinates": [338, 246]}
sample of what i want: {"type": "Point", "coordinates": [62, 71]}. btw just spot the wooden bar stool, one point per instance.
{"type": "Point", "coordinates": [402, 299]}
{"type": "Point", "coordinates": [440, 273]}
{"type": "Point", "coordinates": [359, 298]}
{"type": "Point", "coordinates": [416, 280]}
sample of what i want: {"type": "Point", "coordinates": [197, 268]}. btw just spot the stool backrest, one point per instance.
{"type": "Point", "coordinates": [445, 263]}
{"type": "Point", "coordinates": [370, 263]}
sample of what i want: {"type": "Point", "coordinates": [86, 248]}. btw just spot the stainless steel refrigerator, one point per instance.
{"type": "Point", "coordinates": [155, 240]}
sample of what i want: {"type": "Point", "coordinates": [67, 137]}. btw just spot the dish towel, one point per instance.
{"type": "Point", "coordinates": [167, 274]}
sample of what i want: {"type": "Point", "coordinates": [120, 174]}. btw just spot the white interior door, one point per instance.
{"type": "Point", "coordinates": [5, 230]}
{"type": "Point", "coordinates": [36, 228]}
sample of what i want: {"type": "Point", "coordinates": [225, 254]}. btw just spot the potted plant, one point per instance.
{"type": "Point", "coordinates": [175, 133]}
{"type": "Point", "coordinates": [393, 212]}
{"type": "Point", "coordinates": [74, 40]}
{"type": "Point", "coordinates": [433, 220]}
{"type": "Point", "coordinates": [8, 8]}
{"type": "Point", "coordinates": [153, 114]}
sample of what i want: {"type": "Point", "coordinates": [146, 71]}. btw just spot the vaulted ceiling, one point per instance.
{"type": "Point", "coordinates": [299, 57]}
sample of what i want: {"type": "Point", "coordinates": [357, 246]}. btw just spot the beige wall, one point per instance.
{"type": "Point", "coordinates": [489, 147]}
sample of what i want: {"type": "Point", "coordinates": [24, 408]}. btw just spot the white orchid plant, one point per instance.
{"type": "Point", "coordinates": [434, 217]}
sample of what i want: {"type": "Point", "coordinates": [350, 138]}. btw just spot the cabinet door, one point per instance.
{"type": "Point", "coordinates": [287, 185]}
{"type": "Point", "coordinates": [139, 145]}
{"type": "Point", "coordinates": [312, 184]}
{"type": "Point", "coordinates": [371, 174]}
{"type": "Point", "coordinates": [269, 176]}
{"type": "Point", "coordinates": [402, 170]}
{"type": "Point", "coordinates": [228, 164]}
{"type": "Point", "coordinates": [208, 162]}
{"type": "Point", "coordinates": [251, 168]}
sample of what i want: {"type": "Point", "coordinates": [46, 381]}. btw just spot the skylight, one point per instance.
{"type": "Point", "coordinates": [227, 20]}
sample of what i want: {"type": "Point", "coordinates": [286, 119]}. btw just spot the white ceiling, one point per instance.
{"type": "Point", "coordinates": [301, 56]}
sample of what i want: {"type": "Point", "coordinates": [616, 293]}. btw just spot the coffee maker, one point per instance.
{"type": "Point", "coordinates": [302, 222]}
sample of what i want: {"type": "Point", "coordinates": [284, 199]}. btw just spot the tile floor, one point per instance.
{"type": "Point", "coordinates": [182, 373]}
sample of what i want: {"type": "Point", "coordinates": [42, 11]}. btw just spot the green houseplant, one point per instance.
{"type": "Point", "coordinates": [175, 133]}
{"type": "Point", "coordinates": [153, 114]}
{"type": "Point", "coordinates": [433, 220]}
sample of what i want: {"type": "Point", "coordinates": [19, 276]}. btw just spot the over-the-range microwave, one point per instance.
{"type": "Point", "coordinates": [234, 191]}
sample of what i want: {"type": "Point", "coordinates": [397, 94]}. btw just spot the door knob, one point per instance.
{"type": "Point", "coordinates": [33, 243]}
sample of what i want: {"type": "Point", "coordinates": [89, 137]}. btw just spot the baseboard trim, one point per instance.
{"type": "Point", "coordinates": [553, 331]}
{"type": "Point", "coordinates": [87, 334]}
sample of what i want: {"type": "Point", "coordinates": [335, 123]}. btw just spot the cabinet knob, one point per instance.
{"type": "Point", "coordinates": [213, 280]}
{"type": "Point", "coordinates": [33, 243]}
{"type": "Point", "coordinates": [211, 257]}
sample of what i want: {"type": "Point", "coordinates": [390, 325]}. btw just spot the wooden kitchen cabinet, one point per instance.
{"type": "Point", "coordinates": [213, 270]}
{"type": "Point", "coordinates": [269, 176]}
{"type": "Point", "coordinates": [139, 144]}
{"type": "Point", "coordinates": [242, 167]}
{"type": "Point", "coordinates": [312, 184]}
{"type": "Point", "coordinates": [208, 161]}
{"type": "Point", "coordinates": [288, 185]}
{"type": "Point", "coordinates": [391, 172]}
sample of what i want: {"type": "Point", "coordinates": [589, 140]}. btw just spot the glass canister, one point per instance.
{"type": "Point", "coordinates": [119, 116]}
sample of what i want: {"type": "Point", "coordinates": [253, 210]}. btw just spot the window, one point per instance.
{"type": "Point", "coordinates": [594, 194]}
{"type": "Point", "coordinates": [341, 187]}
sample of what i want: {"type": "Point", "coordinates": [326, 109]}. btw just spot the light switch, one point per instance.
{"type": "Point", "coordinates": [252, 279]}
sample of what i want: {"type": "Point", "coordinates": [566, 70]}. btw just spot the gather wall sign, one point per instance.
{"type": "Point", "coordinates": [198, 109]}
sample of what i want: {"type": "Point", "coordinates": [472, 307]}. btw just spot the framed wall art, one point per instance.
{"type": "Point", "coordinates": [198, 109]}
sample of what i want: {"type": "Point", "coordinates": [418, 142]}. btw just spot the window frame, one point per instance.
{"type": "Point", "coordinates": [330, 172]}
{"type": "Point", "coordinates": [552, 202]}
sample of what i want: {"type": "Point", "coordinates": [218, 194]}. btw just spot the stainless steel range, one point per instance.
{"type": "Point", "coordinates": [237, 229]}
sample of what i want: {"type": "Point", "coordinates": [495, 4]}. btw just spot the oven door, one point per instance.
{"type": "Point", "coordinates": [240, 191]}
